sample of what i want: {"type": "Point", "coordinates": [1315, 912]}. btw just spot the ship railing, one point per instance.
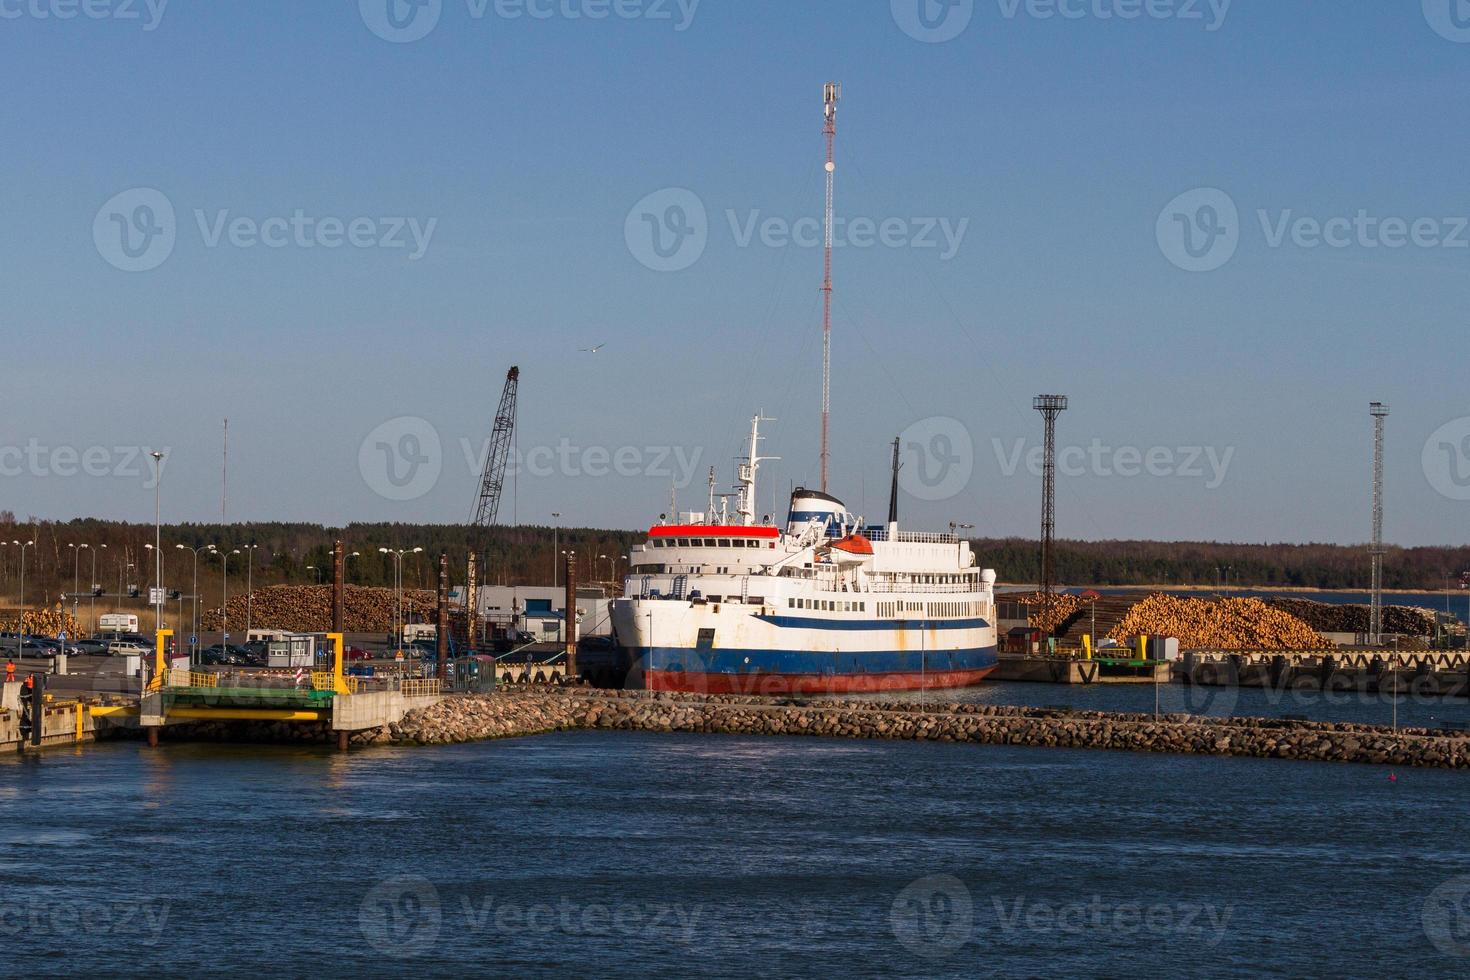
{"type": "Point", "coordinates": [911, 537]}
{"type": "Point", "coordinates": [890, 588]}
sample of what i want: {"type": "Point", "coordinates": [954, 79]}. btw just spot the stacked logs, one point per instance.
{"type": "Point", "coordinates": [1228, 624]}
{"type": "Point", "coordinates": [308, 609]}
{"type": "Point", "coordinates": [1333, 618]}
{"type": "Point", "coordinates": [1063, 605]}
{"type": "Point", "coordinates": [43, 622]}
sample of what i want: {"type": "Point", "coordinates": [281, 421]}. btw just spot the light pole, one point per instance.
{"type": "Point", "coordinates": [555, 546]}
{"type": "Point", "coordinates": [345, 559]}
{"type": "Point", "coordinates": [194, 599]}
{"type": "Point", "coordinates": [398, 589]}
{"type": "Point", "coordinates": [157, 542]}
{"type": "Point", "coordinates": [249, 585]}
{"type": "Point", "coordinates": [23, 547]}
{"type": "Point", "coordinates": [76, 575]}
{"type": "Point", "coordinates": [157, 619]}
{"type": "Point", "coordinates": [224, 604]}
{"type": "Point", "coordinates": [93, 590]}
{"type": "Point", "coordinates": [318, 576]}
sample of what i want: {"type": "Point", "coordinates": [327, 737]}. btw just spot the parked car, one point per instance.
{"type": "Point", "coordinates": [92, 648]}
{"type": "Point", "coordinates": [355, 653]}
{"type": "Point", "coordinates": [23, 647]}
{"type": "Point", "coordinates": [224, 655]}
{"type": "Point", "coordinates": [126, 648]}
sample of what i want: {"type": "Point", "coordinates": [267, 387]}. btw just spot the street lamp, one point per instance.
{"type": "Point", "coordinates": [93, 590]}
{"type": "Point", "coordinates": [157, 623]}
{"type": "Point", "coordinates": [157, 542]}
{"type": "Point", "coordinates": [318, 576]}
{"type": "Point", "coordinates": [224, 605]}
{"type": "Point", "coordinates": [194, 633]}
{"type": "Point", "coordinates": [76, 574]}
{"type": "Point", "coordinates": [249, 585]}
{"type": "Point", "coordinates": [23, 547]}
{"type": "Point", "coordinates": [398, 589]}
{"type": "Point", "coordinates": [345, 559]}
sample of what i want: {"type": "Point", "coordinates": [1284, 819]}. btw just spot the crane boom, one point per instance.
{"type": "Point", "coordinates": [492, 482]}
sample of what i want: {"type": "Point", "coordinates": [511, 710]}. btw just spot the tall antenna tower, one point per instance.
{"type": "Point", "coordinates": [1050, 406]}
{"type": "Point", "coordinates": [831, 93]}
{"type": "Point", "coordinates": [1379, 411]}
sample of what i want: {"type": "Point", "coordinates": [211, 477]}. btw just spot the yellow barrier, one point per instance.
{"type": "Point", "coordinates": [419, 688]}
{"type": "Point", "coordinates": [327, 680]}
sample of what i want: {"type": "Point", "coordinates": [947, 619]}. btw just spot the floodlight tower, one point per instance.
{"type": "Point", "coordinates": [1379, 412]}
{"type": "Point", "coordinates": [1050, 406]}
{"type": "Point", "coordinates": [831, 94]}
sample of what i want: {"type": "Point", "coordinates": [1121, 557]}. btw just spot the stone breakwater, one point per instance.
{"type": "Point", "coordinates": [510, 714]}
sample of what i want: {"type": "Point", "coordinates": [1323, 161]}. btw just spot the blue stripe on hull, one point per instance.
{"type": "Point", "coordinates": [793, 662]}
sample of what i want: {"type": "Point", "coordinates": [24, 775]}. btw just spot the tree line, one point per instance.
{"type": "Point", "coordinates": [66, 552]}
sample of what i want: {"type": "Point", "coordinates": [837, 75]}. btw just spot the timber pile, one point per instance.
{"type": "Point", "coordinates": [1332, 618]}
{"type": "Point", "coordinates": [308, 609]}
{"type": "Point", "coordinates": [44, 622]}
{"type": "Point", "coordinates": [1228, 624]}
{"type": "Point", "coordinates": [1063, 606]}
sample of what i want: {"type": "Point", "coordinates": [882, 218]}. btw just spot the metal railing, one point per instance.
{"type": "Point", "coordinates": [326, 680]}
{"type": "Point", "coordinates": [184, 677]}
{"type": "Point", "coordinates": [911, 537]}
{"type": "Point", "coordinates": [410, 688]}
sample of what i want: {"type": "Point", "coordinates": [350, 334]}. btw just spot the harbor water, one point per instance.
{"type": "Point", "coordinates": [629, 854]}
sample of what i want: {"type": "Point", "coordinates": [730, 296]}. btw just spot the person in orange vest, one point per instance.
{"type": "Point", "coordinates": [9, 670]}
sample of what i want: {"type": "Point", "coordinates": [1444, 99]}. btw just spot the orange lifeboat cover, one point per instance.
{"type": "Point", "coordinates": [854, 544]}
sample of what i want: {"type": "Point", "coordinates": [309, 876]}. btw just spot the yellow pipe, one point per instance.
{"type": "Point", "coordinates": [80, 721]}
{"type": "Point", "coordinates": [243, 714]}
{"type": "Point", "coordinates": [108, 710]}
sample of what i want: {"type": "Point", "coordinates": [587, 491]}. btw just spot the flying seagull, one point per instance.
{"type": "Point", "coordinates": [591, 350]}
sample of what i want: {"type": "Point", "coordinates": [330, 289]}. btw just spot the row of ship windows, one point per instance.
{"type": "Point", "coordinates": [939, 610]}
{"type": "Point", "coordinates": [904, 577]}
{"type": "Point", "coordinates": [828, 605]}
{"type": "Point", "coordinates": [709, 543]}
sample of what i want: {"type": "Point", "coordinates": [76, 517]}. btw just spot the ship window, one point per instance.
{"type": "Point", "coordinates": [683, 542]}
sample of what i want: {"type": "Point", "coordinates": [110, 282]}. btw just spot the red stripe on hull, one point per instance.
{"type": "Point", "coordinates": [781, 684]}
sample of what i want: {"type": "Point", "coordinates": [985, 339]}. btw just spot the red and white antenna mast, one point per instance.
{"type": "Point", "coordinates": [831, 93]}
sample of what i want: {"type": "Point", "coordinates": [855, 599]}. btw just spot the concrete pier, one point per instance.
{"type": "Point", "coordinates": [1071, 670]}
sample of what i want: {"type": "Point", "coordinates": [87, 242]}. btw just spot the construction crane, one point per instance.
{"type": "Point", "coordinates": [492, 481]}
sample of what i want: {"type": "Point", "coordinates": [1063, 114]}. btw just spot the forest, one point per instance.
{"type": "Point", "coordinates": [65, 554]}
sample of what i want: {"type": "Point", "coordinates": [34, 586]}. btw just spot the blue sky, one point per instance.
{"type": "Point", "coordinates": [1061, 153]}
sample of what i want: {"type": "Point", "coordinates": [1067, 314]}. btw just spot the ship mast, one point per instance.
{"type": "Point", "coordinates": [831, 93]}
{"type": "Point", "coordinates": [748, 470]}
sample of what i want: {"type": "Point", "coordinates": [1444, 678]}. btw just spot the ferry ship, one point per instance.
{"type": "Point", "coordinates": [821, 605]}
